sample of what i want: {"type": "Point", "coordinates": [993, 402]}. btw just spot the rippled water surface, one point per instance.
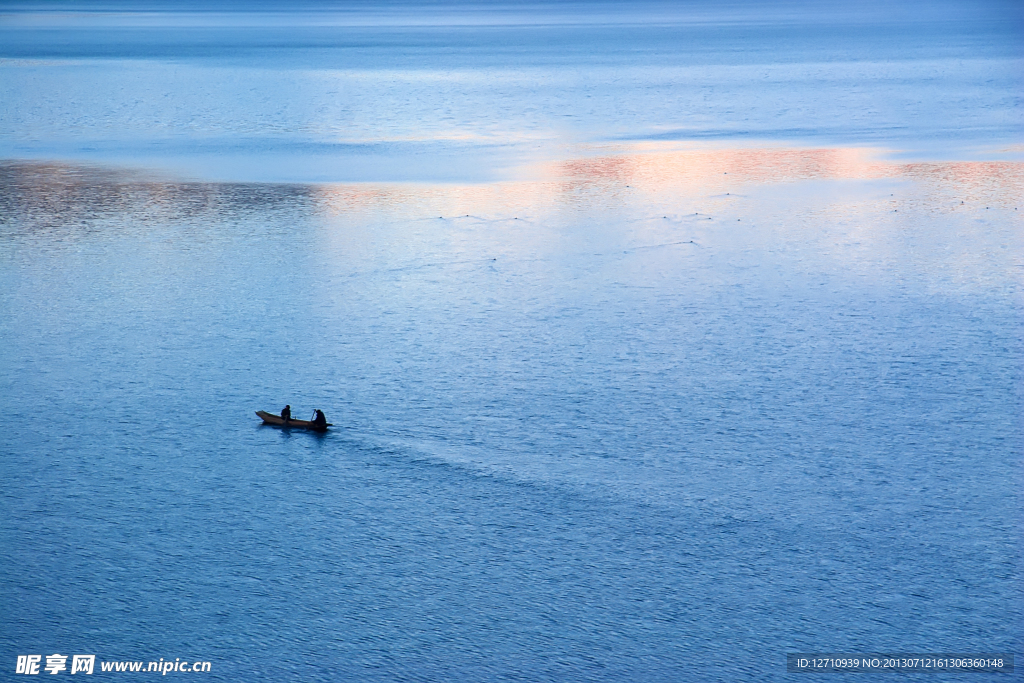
{"type": "Point", "coordinates": [612, 401]}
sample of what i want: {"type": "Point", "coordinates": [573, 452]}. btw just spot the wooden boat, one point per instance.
{"type": "Point", "coordinates": [278, 421]}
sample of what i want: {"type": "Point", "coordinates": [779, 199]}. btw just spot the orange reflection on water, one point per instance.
{"type": "Point", "coordinates": [699, 171]}
{"type": "Point", "coordinates": [685, 174]}
{"type": "Point", "coordinates": [851, 208]}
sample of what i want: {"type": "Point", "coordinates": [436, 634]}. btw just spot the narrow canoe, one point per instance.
{"type": "Point", "coordinates": [277, 421]}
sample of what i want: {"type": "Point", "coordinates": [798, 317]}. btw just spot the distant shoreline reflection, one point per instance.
{"type": "Point", "coordinates": [40, 194]}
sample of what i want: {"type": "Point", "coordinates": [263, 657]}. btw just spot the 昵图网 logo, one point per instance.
{"type": "Point", "coordinates": [83, 664]}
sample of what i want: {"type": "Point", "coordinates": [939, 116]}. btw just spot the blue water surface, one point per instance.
{"type": "Point", "coordinates": [611, 402]}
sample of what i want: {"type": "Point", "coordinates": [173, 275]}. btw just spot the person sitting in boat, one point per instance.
{"type": "Point", "coordinates": [286, 413]}
{"type": "Point", "coordinates": [320, 422]}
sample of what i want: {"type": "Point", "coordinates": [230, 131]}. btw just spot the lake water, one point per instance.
{"type": "Point", "coordinates": [658, 342]}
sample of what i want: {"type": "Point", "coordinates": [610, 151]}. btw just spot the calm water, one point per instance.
{"type": "Point", "coordinates": [656, 348]}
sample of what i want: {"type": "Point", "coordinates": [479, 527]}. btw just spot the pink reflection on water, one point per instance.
{"type": "Point", "coordinates": [625, 174]}
{"type": "Point", "coordinates": [697, 171]}
{"type": "Point", "coordinates": [804, 210]}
